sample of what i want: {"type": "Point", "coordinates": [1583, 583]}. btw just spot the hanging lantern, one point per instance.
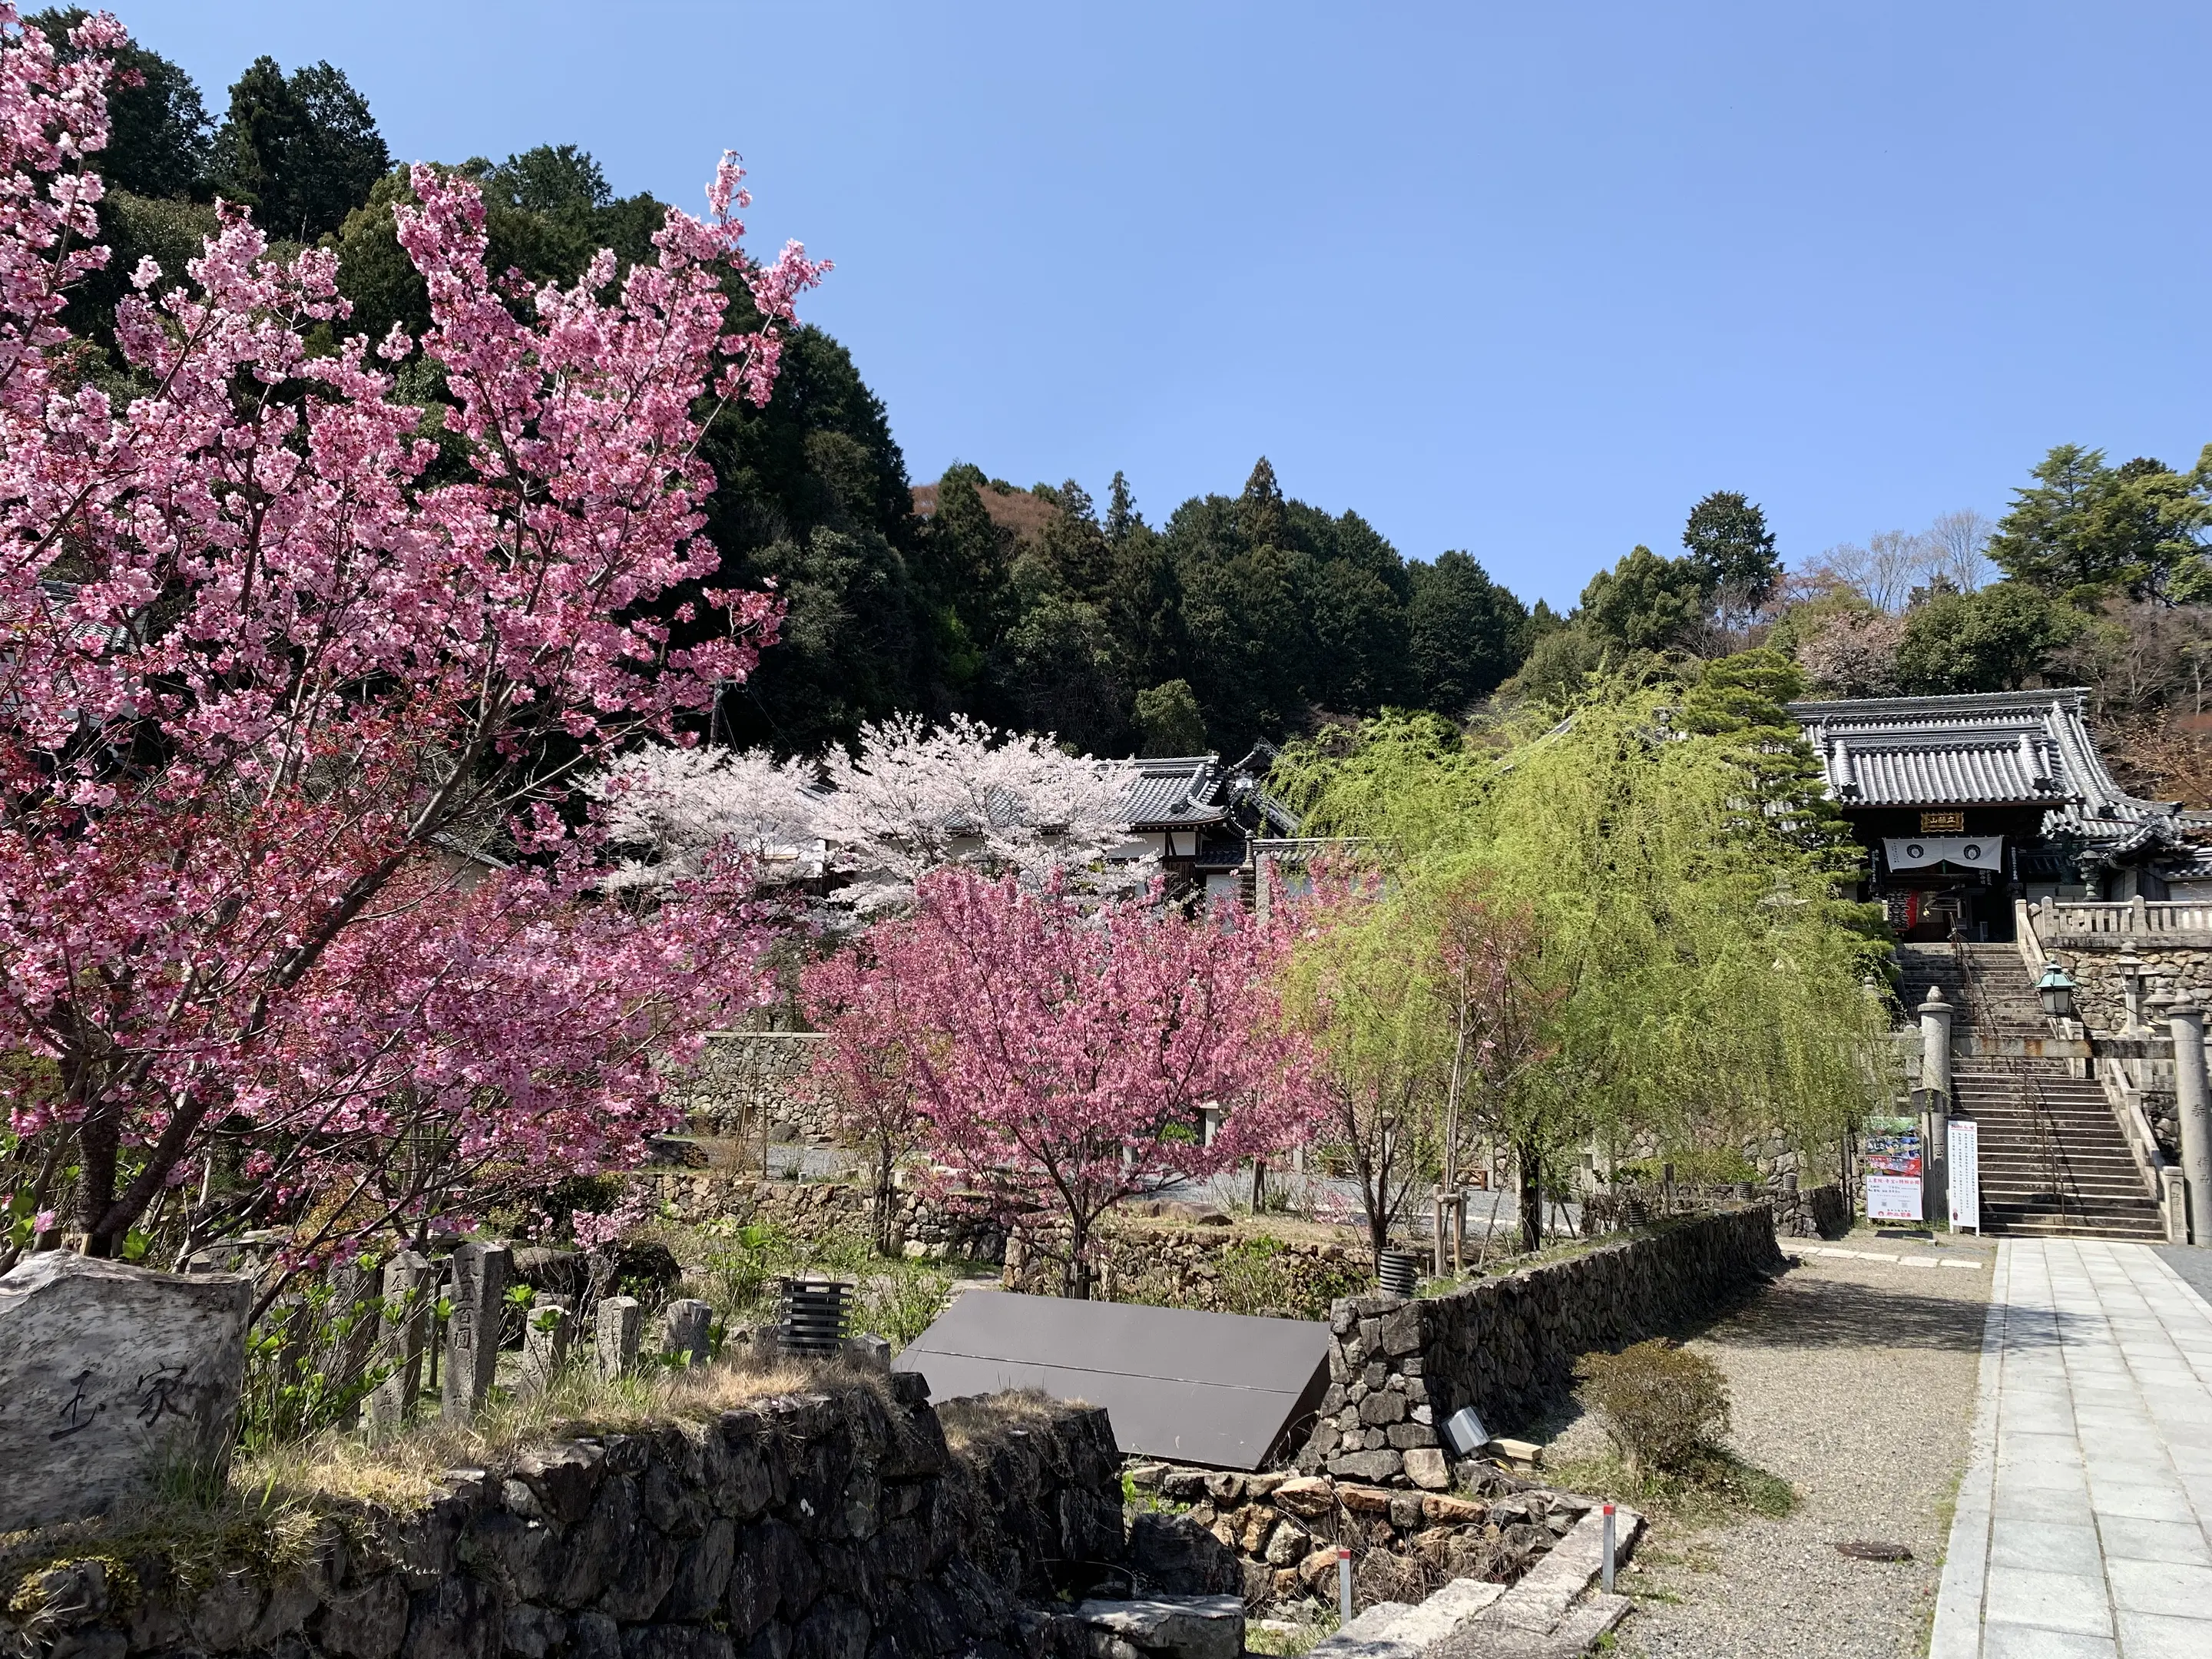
{"type": "Point", "coordinates": [2056, 991]}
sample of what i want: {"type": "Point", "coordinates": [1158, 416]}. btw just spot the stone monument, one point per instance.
{"type": "Point", "coordinates": [109, 1374]}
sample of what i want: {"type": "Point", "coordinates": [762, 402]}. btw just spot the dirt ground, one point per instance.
{"type": "Point", "coordinates": [1855, 1380]}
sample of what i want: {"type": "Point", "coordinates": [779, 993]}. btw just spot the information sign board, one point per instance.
{"type": "Point", "coordinates": [1965, 1173]}
{"type": "Point", "coordinates": [1895, 1172]}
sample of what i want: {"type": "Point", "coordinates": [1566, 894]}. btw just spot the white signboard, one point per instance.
{"type": "Point", "coordinates": [1892, 1197]}
{"type": "Point", "coordinates": [1966, 1174]}
{"type": "Point", "coordinates": [1967, 852]}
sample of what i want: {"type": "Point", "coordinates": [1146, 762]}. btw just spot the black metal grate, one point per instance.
{"type": "Point", "coordinates": [813, 1315]}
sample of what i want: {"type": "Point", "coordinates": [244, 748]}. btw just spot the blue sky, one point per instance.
{"type": "Point", "coordinates": [1523, 280]}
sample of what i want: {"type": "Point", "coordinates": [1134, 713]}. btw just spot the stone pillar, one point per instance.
{"type": "Point", "coordinates": [1209, 1123]}
{"type": "Point", "coordinates": [2129, 969]}
{"type": "Point", "coordinates": [544, 1345]}
{"type": "Point", "coordinates": [481, 1274]}
{"type": "Point", "coordinates": [686, 1331]}
{"type": "Point", "coordinates": [406, 1324]}
{"type": "Point", "coordinates": [615, 1331]}
{"type": "Point", "coordinates": [1935, 1043]}
{"type": "Point", "coordinates": [2186, 1022]}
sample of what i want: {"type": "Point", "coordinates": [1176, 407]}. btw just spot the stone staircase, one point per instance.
{"type": "Point", "coordinates": [2054, 1161]}
{"type": "Point", "coordinates": [1557, 1611]}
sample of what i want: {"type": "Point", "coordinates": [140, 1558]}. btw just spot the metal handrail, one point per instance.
{"type": "Point", "coordinates": [2051, 1152]}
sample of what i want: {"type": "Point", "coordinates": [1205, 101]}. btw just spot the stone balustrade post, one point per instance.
{"type": "Point", "coordinates": [2186, 1020]}
{"type": "Point", "coordinates": [1936, 1015]}
{"type": "Point", "coordinates": [481, 1273]}
{"type": "Point", "coordinates": [1935, 1043]}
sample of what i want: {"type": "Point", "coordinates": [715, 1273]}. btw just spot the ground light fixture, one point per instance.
{"type": "Point", "coordinates": [2057, 990]}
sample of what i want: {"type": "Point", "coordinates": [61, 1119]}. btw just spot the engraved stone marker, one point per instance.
{"type": "Point", "coordinates": [618, 1323]}
{"type": "Point", "coordinates": [108, 1373]}
{"type": "Point", "coordinates": [406, 1326]}
{"type": "Point", "coordinates": [544, 1345]}
{"type": "Point", "coordinates": [688, 1321]}
{"type": "Point", "coordinates": [481, 1273]}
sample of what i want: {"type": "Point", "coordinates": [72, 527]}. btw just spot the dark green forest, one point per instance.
{"type": "Point", "coordinates": [1236, 617]}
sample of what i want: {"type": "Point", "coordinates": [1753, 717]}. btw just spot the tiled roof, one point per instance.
{"type": "Point", "coordinates": [1188, 792]}
{"type": "Point", "coordinates": [2002, 748]}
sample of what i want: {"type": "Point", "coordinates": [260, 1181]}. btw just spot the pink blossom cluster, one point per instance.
{"type": "Point", "coordinates": [268, 683]}
{"type": "Point", "coordinates": [1062, 1057]}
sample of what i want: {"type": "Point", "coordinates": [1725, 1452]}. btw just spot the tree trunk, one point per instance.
{"type": "Point", "coordinates": [885, 1194]}
{"type": "Point", "coordinates": [1075, 1275]}
{"type": "Point", "coordinates": [97, 1138]}
{"type": "Point", "coordinates": [1530, 1157]}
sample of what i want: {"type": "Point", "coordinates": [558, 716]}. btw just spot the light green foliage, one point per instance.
{"type": "Point", "coordinates": [295, 1384]}
{"type": "Point", "coordinates": [1681, 882]}
{"type": "Point", "coordinates": [1556, 672]}
{"type": "Point", "coordinates": [741, 1263]}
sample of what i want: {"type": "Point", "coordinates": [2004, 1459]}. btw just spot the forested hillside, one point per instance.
{"type": "Point", "coordinates": [1235, 616]}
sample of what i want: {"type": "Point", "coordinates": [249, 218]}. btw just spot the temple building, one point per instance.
{"type": "Point", "coordinates": [1199, 817]}
{"type": "Point", "coordinates": [1966, 803]}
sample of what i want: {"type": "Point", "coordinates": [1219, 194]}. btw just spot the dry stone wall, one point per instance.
{"type": "Point", "coordinates": [1284, 1530]}
{"type": "Point", "coordinates": [836, 1525]}
{"type": "Point", "coordinates": [1213, 1268]}
{"type": "Point", "coordinates": [743, 1079]}
{"type": "Point", "coordinates": [937, 1227]}
{"type": "Point", "coordinates": [1507, 1347]}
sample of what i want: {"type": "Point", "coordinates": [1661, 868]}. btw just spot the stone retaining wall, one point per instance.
{"type": "Point", "coordinates": [1810, 1212]}
{"type": "Point", "coordinates": [1507, 1347]}
{"type": "Point", "coordinates": [744, 1079]}
{"type": "Point", "coordinates": [1285, 1528]}
{"type": "Point", "coordinates": [1214, 1269]}
{"type": "Point", "coordinates": [936, 1227]}
{"type": "Point", "coordinates": [835, 1525]}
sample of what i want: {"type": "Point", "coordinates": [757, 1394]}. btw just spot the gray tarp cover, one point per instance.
{"type": "Point", "coordinates": [1198, 1388]}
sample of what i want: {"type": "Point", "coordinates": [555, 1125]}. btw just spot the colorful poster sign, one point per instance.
{"type": "Point", "coordinates": [1893, 1171]}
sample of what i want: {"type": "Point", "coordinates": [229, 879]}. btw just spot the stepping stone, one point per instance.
{"type": "Point", "coordinates": [1182, 1626]}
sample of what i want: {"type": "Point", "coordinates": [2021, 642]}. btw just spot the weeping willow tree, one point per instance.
{"type": "Point", "coordinates": [1674, 879]}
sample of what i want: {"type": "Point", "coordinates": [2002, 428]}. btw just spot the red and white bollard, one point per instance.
{"type": "Point", "coordinates": [1344, 1585]}
{"type": "Point", "coordinates": [1608, 1549]}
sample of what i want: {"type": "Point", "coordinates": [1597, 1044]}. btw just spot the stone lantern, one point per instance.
{"type": "Point", "coordinates": [2129, 968]}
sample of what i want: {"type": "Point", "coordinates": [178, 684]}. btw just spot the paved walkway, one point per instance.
{"type": "Point", "coordinates": [2084, 1524]}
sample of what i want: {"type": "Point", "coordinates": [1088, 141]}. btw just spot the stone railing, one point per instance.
{"type": "Point", "coordinates": [2130, 923]}
{"type": "Point", "coordinates": [833, 1523]}
{"type": "Point", "coordinates": [1507, 1347]}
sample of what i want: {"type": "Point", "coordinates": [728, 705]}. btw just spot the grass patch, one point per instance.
{"type": "Point", "coordinates": [1712, 1484]}
{"type": "Point", "coordinates": [1301, 1637]}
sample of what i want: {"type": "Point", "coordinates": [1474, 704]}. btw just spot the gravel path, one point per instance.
{"type": "Point", "coordinates": [1853, 1380]}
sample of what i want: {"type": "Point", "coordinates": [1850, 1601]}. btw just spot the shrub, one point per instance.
{"type": "Point", "coordinates": [1661, 1404]}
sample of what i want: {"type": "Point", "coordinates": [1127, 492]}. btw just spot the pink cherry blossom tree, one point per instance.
{"type": "Point", "coordinates": [266, 674]}
{"type": "Point", "coordinates": [1062, 1056]}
